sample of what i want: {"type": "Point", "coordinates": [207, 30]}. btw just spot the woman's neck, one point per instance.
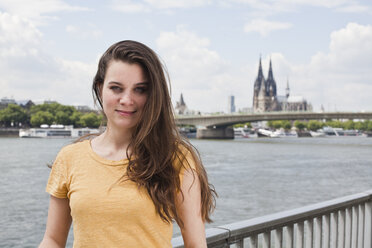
{"type": "Point", "coordinates": [112, 144]}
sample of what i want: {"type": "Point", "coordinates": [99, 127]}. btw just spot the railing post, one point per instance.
{"type": "Point", "coordinates": [240, 243]}
{"type": "Point", "coordinates": [253, 241]}
{"type": "Point", "coordinates": [289, 236]}
{"type": "Point", "coordinates": [341, 229]}
{"type": "Point", "coordinates": [354, 227]}
{"type": "Point", "coordinates": [309, 233]}
{"type": "Point", "coordinates": [360, 225]}
{"type": "Point", "coordinates": [278, 237]}
{"type": "Point", "coordinates": [348, 228]}
{"type": "Point", "coordinates": [318, 232]}
{"type": "Point", "coordinates": [326, 228]}
{"type": "Point", "coordinates": [333, 230]}
{"type": "Point", "coordinates": [368, 225]}
{"type": "Point", "coordinates": [300, 235]}
{"type": "Point", "coordinates": [266, 240]}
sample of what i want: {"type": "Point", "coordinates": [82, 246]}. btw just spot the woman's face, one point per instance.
{"type": "Point", "coordinates": [124, 94]}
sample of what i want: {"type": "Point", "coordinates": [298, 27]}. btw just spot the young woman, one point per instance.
{"type": "Point", "coordinates": [124, 187]}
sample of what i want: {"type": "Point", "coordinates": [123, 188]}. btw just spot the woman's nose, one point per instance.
{"type": "Point", "coordinates": [126, 98]}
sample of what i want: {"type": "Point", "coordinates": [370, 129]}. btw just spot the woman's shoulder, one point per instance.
{"type": "Point", "coordinates": [74, 148]}
{"type": "Point", "coordinates": [186, 156]}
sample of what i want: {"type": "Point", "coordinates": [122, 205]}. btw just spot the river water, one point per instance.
{"type": "Point", "coordinates": [253, 177]}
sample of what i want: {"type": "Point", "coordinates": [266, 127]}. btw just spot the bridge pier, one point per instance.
{"type": "Point", "coordinates": [215, 133]}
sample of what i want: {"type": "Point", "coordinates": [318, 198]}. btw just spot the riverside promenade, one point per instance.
{"type": "Point", "coordinates": [343, 222]}
{"type": "Point", "coordinates": [9, 132]}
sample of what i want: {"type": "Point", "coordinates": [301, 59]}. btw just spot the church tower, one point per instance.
{"type": "Point", "coordinates": [270, 82]}
{"type": "Point", "coordinates": [260, 81]}
{"type": "Point", "coordinates": [264, 93]}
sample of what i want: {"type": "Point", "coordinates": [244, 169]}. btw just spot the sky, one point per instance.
{"type": "Point", "coordinates": [49, 49]}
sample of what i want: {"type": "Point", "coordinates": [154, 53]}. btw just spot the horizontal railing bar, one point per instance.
{"type": "Point", "coordinates": [214, 235]}
{"type": "Point", "coordinates": [226, 234]}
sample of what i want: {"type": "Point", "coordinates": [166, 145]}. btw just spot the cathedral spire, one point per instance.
{"type": "Point", "coordinates": [270, 76]}
{"type": "Point", "coordinates": [260, 68]}
{"type": "Point", "coordinates": [287, 89]}
{"type": "Point", "coordinates": [260, 76]}
{"type": "Point", "coordinates": [182, 102]}
{"type": "Point", "coordinates": [270, 82]}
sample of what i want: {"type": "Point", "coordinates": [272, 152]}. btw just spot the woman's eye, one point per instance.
{"type": "Point", "coordinates": [140, 89]}
{"type": "Point", "coordinates": [115, 88]}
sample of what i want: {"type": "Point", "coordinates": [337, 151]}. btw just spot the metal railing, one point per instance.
{"type": "Point", "coordinates": [340, 223]}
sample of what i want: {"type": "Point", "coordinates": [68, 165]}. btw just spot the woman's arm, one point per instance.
{"type": "Point", "coordinates": [58, 224]}
{"type": "Point", "coordinates": [189, 211]}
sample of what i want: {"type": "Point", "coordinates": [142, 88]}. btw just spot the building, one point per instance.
{"type": "Point", "coordinates": [4, 102]}
{"type": "Point", "coordinates": [181, 108]}
{"type": "Point", "coordinates": [231, 105]}
{"type": "Point", "coordinates": [265, 98]}
{"type": "Point", "coordinates": [264, 92]}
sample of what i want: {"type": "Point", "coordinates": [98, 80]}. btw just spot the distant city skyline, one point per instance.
{"type": "Point", "coordinates": [50, 50]}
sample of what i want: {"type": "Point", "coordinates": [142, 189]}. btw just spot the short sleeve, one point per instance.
{"type": "Point", "coordinates": [57, 182]}
{"type": "Point", "coordinates": [187, 163]}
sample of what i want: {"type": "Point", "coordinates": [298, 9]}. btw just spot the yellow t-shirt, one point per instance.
{"type": "Point", "coordinates": [104, 215]}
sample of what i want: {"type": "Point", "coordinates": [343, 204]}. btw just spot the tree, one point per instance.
{"type": "Point", "coordinates": [75, 119]}
{"type": "Point", "coordinates": [300, 125]}
{"type": "Point", "coordinates": [247, 124]}
{"type": "Point", "coordinates": [286, 125]}
{"type": "Point", "coordinates": [91, 120]}
{"type": "Point", "coordinates": [349, 125]}
{"type": "Point", "coordinates": [63, 118]}
{"type": "Point", "coordinates": [314, 125]}
{"type": "Point", "coordinates": [337, 124]}
{"type": "Point", "coordinates": [13, 115]}
{"type": "Point", "coordinates": [41, 117]}
{"type": "Point", "coordinates": [369, 127]}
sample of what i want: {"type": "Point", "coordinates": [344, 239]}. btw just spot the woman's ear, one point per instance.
{"type": "Point", "coordinates": [100, 87]}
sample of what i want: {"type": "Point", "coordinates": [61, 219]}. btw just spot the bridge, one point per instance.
{"type": "Point", "coordinates": [217, 126]}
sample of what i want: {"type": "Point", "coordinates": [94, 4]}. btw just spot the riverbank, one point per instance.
{"type": "Point", "coordinates": [9, 132]}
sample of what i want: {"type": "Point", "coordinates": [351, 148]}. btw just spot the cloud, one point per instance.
{"type": "Point", "coordinates": [265, 8]}
{"type": "Point", "coordinates": [84, 33]}
{"type": "Point", "coordinates": [29, 72]}
{"type": "Point", "coordinates": [354, 9]}
{"type": "Point", "coordinates": [37, 10]}
{"type": "Point", "coordinates": [197, 71]}
{"type": "Point", "coordinates": [264, 27]}
{"type": "Point", "coordinates": [339, 79]}
{"type": "Point", "coordinates": [131, 6]}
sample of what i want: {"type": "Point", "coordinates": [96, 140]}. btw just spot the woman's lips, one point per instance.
{"type": "Point", "coordinates": [125, 113]}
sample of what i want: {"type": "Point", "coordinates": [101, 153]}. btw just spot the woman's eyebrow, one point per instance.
{"type": "Point", "coordinates": [143, 83]}
{"type": "Point", "coordinates": [113, 82]}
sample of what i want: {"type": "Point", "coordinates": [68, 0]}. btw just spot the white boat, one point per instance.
{"type": "Point", "coordinates": [240, 132]}
{"type": "Point", "coordinates": [340, 131]}
{"type": "Point", "coordinates": [284, 134]}
{"type": "Point", "coordinates": [317, 134]}
{"type": "Point", "coordinates": [56, 131]}
{"type": "Point", "coordinates": [267, 133]}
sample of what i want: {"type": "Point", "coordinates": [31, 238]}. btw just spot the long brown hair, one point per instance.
{"type": "Point", "coordinates": [156, 145]}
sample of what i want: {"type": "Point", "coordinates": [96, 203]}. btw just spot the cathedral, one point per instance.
{"type": "Point", "coordinates": [265, 98]}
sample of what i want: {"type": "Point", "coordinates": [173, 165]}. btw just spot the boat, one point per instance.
{"type": "Point", "coordinates": [284, 134]}
{"type": "Point", "coordinates": [337, 131]}
{"type": "Point", "coordinates": [56, 131]}
{"type": "Point", "coordinates": [318, 133]}
{"type": "Point", "coordinates": [240, 132]}
{"type": "Point", "coordinates": [267, 133]}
